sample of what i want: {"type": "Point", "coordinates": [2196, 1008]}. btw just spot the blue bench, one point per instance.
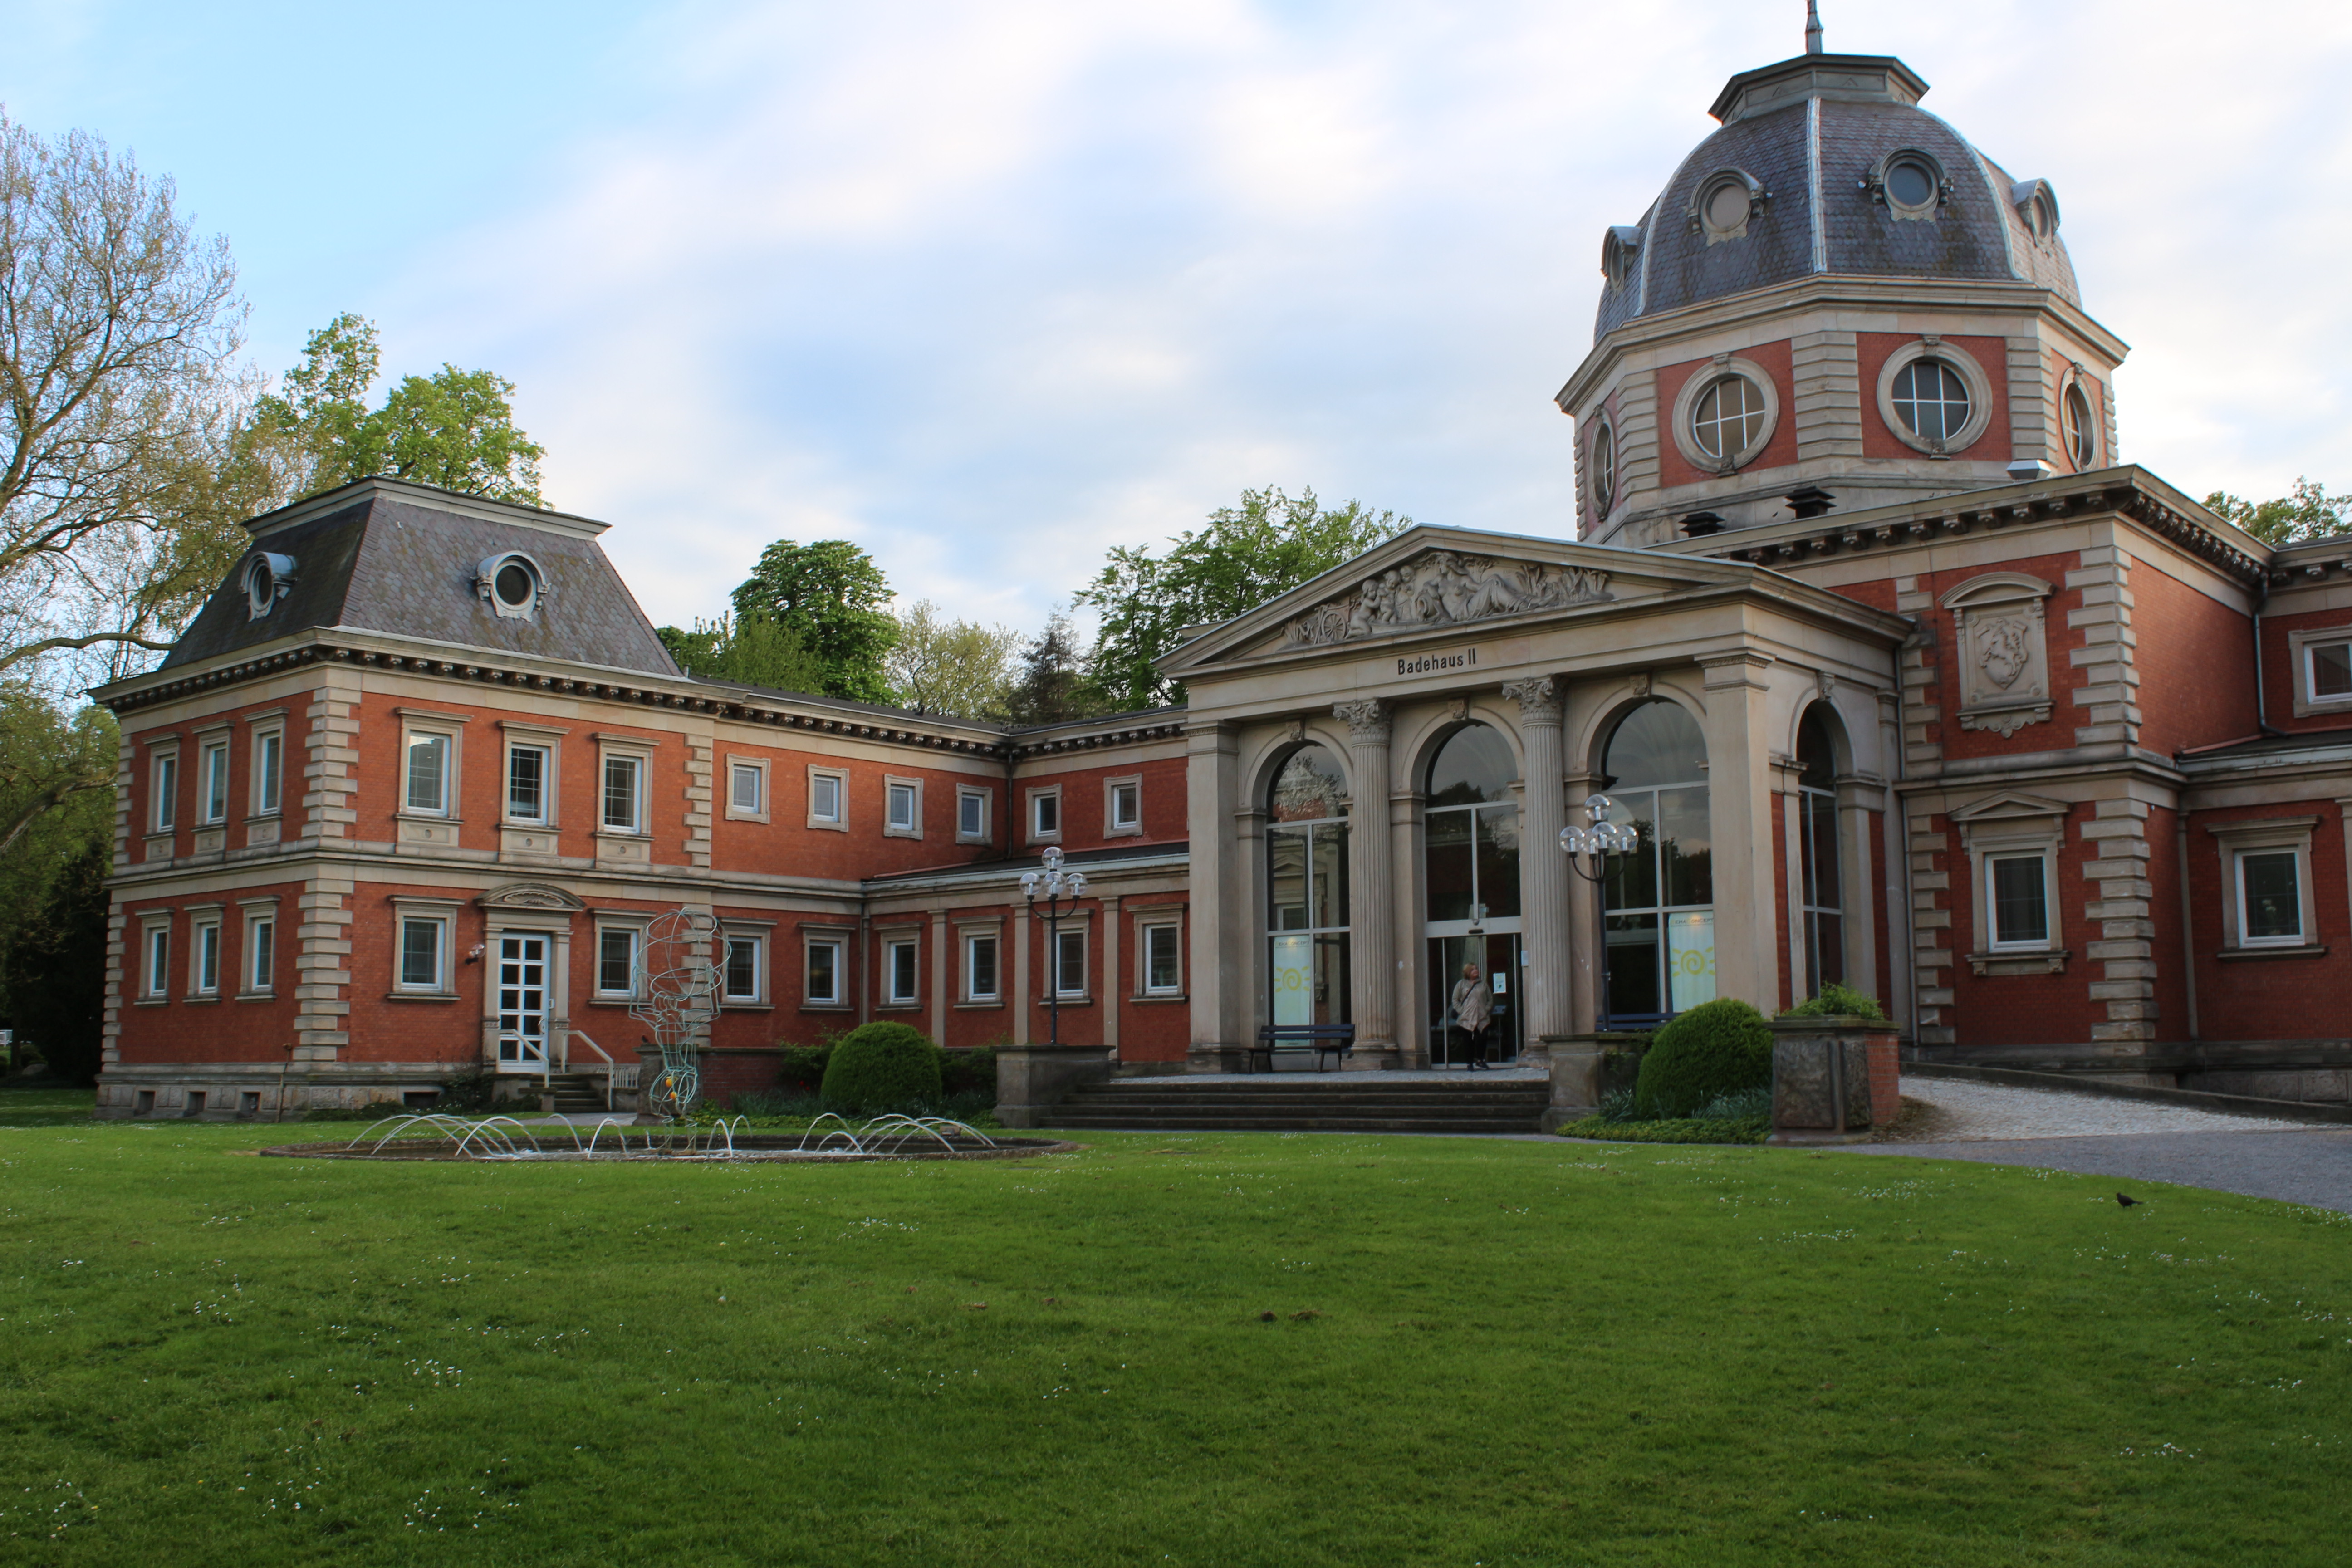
{"type": "Point", "coordinates": [1323, 1039]}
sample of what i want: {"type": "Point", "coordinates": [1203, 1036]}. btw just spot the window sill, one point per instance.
{"type": "Point", "coordinates": [758, 817]}
{"type": "Point", "coordinates": [981, 1007]}
{"type": "Point", "coordinates": [1162, 996]}
{"type": "Point", "coordinates": [914, 833]}
{"type": "Point", "coordinates": [611, 1001]}
{"type": "Point", "coordinates": [745, 1005]}
{"type": "Point", "coordinates": [1135, 832]}
{"type": "Point", "coordinates": [898, 1007]}
{"type": "Point", "coordinates": [406, 814]}
{"type": "Point", "coordinates": [1065, 1000]}
{"type": "Point", "coordinates": [200, 1001]}
{"type": "Point", "coordinates": [257, 995]}
{"type": "Point", "coordinates": [825, 826]}
{"type": "Point", "coordinates": [2021, 961]}
{"type": "Point", "coordinates": [2303, 950]}
{"type": "Point", "coordinates": [152, 1002]}
{"type": "Point", "coordinates": [826, 1007]}
{"type": "Point", "coordinates": [979, 838]}
{"type": "Point", "coordinates": [421, 996]}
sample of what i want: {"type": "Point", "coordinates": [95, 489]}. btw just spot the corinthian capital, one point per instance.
{"type": "Point", "coordinates": [1538, 697]}
{"type": "Point", "coordinates": [1367, 721]}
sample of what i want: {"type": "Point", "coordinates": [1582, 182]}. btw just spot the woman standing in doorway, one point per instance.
{"type": "Point", "coordinates": [1474, 1010]}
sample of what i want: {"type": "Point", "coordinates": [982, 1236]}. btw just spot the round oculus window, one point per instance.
{"type": "Point", "coordinates": [513, 585]}
{"type": "Point", "coordinates": [1728, 417]}
{"type": "Point", "coordinates": [2082, 428]}
{"type": "Point", "coordinates": [1932, 400]}
{"type": "Point", "coordinates": [1910, 184]}
{"type": "Point", "coordinates": [260, 588]}
{"type": "Point", "coordinates": [1727, 206]}
{"type": "Point", "coordinates": [1604, 470]}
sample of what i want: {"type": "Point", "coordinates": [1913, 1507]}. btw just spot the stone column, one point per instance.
{"type": "Point", "coordinates": [1739, 803]}
{"type": "Point", "coordinates": [1371, 914]}
{"type": "Point", "coordinates": [1224, 975]}
{"type": "Point", "coordinates": [1543, 868]}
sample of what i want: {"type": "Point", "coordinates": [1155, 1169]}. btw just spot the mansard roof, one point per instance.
{"type": "Point", "coordinates": [386, 555]}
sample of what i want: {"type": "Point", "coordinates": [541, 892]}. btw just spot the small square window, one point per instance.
{"type": "Point", "coordinates": [823, 985]}
{"type": "Point", "coordinates": [1163, 968]}
{"type": "Point", "coordinates": [901, 799]}
{"type": "Point", "coordinates": [824, 798]}
{"type": "Point", "coordinates": [899, 966]}
{"type": "Point", "coordinates": [746, 788]}
{"type": "Point", "coordinates": [1046, 814]}
{"type": "Point", "coordinates": [972, 815]}
{"type": "Point", "coordinates": [744, 967]}
{"type": "Point", "coordinates": [616, 959]}
{"type": "Point", "coordinates": [1070, 964]}
{"type": "Point", "coordinates": [2270, 898]}
{"type": "Point", "coordinates": [624, 779]}
{"type": "Point", "coordinates": [216, 782]}
{"type": "Point", "coordinates": [527, 773]}
{"type": "Point", "coordinates": [269, 771]}
{"type": "Point", "coordinates": [421, 944]}
{"type": "Point", "coordinates": [428, 774]}
{"type": "Point", "coordinates": [2017, 886]}
{"type": "Point", "coordinates": [1126, 807]}
{"type": "Point", "coordinates": [980, 968]}
{"type": "Point", "coordinates": [2331, 670]}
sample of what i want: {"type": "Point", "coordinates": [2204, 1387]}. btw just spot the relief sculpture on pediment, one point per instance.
{"type": "Point", "coordinates": [1445, 588]}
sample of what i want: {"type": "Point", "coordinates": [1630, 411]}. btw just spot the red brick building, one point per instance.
{"type": "Point", "coordinates": [1897, 676]}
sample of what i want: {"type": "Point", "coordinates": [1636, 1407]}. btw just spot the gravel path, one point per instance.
{"type": "Point", "coordinates": [2131, 1141]}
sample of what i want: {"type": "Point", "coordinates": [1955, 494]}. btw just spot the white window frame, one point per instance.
{"type": "Point", "coordinates": [155, 955]}
{"type": "Point", "coordinates": [839, 821]}
{"type": "Point", "coordinates": [257, 980]}
{"type": "Point", "coordinates": [971, 993]}
{"type": "Point", "coordinates": [730, 933]}
{"type": "Point", "coordinates": [212, 780]}
{"type": "Point", "coordinates": [2003, 826]}
{"type": "Point", "coordinates": [1035, 798]}
{"type": "Point", "coordinates": [908, 942]}
{"type": "Point", "coordinates": [633, 929]}
{"type": "Point", "coordinates": [2301, 645]}
{"type": "Point", "coordinates": [1113, 828]}
{"type": "Point", "coordinates": [447, 728]}
{"type": "Point", "coordinates": [268, 786]}
{"type": "Point", "coordinates": [204, 952]}
{"type": "Point", "coordinates": [2264, 836]}
{"type": "Point", "coordinates": [1145, 932]}
{"type": "Point", "coordinates": [638, 756]}
{"type": "Point", "coordinates": [966, 794]}
{"type": "Point", "coordinates": [756, 769]}
{"type": "Point", "coordinates": [1068, 933]}
{"type": "Point", "coordinates": [442, 915]}
{"type": "Point", "coordinates": [896, 788]}
{"type": "Point", "coordinates": [163, 787]}
{"type": "Point", "coordinates": [838, 939]}
{"type": "Point", "coordinates": [2042, 944]}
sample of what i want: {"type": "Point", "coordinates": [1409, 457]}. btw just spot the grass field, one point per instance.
{"type": "Point", "coordinates": [1479, 1352]}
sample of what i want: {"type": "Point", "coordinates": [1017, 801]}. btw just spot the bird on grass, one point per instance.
{"type": "Point", "coordinates": [2126, 1199]}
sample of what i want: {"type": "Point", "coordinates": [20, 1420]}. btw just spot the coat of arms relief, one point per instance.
{"type": "Point", "coordinates": [1445, 588]}
{"type": "Point", "coordinates": [2004, 661]}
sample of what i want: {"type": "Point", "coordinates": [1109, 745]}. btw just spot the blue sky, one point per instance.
{"type": "Point", "coordinates": [990, 288]}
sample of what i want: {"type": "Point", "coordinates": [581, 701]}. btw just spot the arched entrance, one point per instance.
{"type": "Point", "coordinates": [1307, 889]}
{"type": "Point", "coordinates": [1658, 900]}
{"type": "Point", "coordinates": [1471, 869]}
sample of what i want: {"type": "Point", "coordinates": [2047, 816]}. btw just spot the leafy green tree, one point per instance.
{"type": "Point", "coordinates": [2309, 513]}
{"type": "Point", "coordinates": [54, 967]}
{"type": "Point", "coordinates": [757, 652]}
{"type": "Point", "coordinates": [454, 428]}
{"type": "Point", "coordinates": [49, 763]}
{"type": "Point", "coordinates": [57, 812]}
{"type": "Point", "coordinates": [1267, 545]}
{"type": "Point", "coordinates": [960, 668]}
{"type": "Point", "coordinates": [1054, 685]}
{"type": "Point", "coordinates": [830, 596]}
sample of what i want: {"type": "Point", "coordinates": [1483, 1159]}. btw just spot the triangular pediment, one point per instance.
{"type": "Point", "coordinates": [2010, 805]}
{"type": "Point", "coordinates": [1442, 579]}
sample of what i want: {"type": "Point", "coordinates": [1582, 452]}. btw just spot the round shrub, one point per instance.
{"type": "Point", "coordinates": [881, 1067]}
{"type": "Point", "coordinates": [1840, 1000]}
{"type": "Point", "coordinates": [1716, 1048]}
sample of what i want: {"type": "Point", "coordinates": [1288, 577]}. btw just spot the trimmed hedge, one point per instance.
{"type": "Point", "coordinates": [1836, 1001]}
{"type": "Point", "coordinates": [881, 1067]}
{"type": "Point", "coordinates": [965, 1070]}
{"type": "Point", "coordinates": [1717, 1047]}
{"type": "Point", "coordinates": [1719, 1129]}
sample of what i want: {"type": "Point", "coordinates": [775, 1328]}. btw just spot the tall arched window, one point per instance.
{"type": "Point", "coordinates": [1824, 909]}
{"type": "Point", "coordinates": [1307, 889]}
{"type": "Point", "coordinates": [1471, 861]}
{"type": "Point", "coordinates": [1658, 900]}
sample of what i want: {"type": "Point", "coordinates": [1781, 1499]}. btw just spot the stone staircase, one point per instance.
{"type": "Point", "coordinates": [576, 1093]}
{"type": "Point", "coordinates": [1350, 1102]}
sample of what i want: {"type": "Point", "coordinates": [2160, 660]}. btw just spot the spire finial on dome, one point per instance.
{"type": "Point", "coordinates": [1812, 28]}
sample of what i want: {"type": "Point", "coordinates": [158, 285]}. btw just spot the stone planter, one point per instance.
{"type": "Point", "coordinates": [1577, 1075]}
{"type": "Point", "coordinates": [1833, 1079]}
{"type": "Point", "coordinates": [1032, 1080]}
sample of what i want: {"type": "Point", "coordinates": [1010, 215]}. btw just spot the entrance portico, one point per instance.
{"type": "Point", "coordinates": [1548, 646]}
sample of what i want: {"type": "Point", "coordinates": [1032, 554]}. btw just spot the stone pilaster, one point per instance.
{"type": "Point", "coordinates": [2108, 700]}
{"type": "Point", "coordinates": [1543, 868]}
{"type": "Point", "coordinates": [1224, 960]}
{"type": "Point", "coordinates": [322, 962]}
{"type": "Point", "coordinates": [2124, 908]}
{"type": "Point", "coordinates": [1931, 925]}
{"type": "Point", "coordinates": [701, 770]}
{"type": "Point", "coordinates": [331, 784]}
{"type": "Point", "coordinates": [1371, 916]}
{"type": "Point", "coordinates": [1826, 375]}
{"type": "Point", "coordinates": [1739, 801]}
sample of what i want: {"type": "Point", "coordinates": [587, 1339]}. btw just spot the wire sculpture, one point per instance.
{"type": "Point", "coordinates": [676, 1000]}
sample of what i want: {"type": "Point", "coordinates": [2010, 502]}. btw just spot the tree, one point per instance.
{"type": "Point", "coordinates": [2309, 513]}
{"type": "Point", "coordinates": [54, 966]}
{"type": "Point", "coordinates": [455, 428]}
{"type": "Point", "coordinates": [757, 652]}
{"type": "Point", "coordinates": [1054, 684]}
{"type": "Point", "coordinates": [118, 404]}
{"type": "Point", "coordinates": [1249, 553]}
{"type": "Point", "coordinates": [47, 762]}
{"type": "Point", "coordinates": [960, 667]}
{"type": "Point", "coordinates": [830, 596]}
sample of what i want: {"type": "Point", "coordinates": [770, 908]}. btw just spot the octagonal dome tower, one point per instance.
{"type": "Point", "coordinates": [1836, 302]}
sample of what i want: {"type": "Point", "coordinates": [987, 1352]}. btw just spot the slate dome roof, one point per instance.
{"type": "Point", "coordinates": [1826, 146]}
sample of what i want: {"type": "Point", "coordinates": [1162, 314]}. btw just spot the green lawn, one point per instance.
{"type": "Point", "coordinates": [1479, 1352]}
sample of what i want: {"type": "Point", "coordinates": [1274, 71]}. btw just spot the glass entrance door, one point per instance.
{"type": "Point", "coordinates": [522, 1004]}
{"type": "Point", "coordinates": [1497, 954]}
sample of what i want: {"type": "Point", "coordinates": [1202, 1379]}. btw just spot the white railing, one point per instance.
{"type": "Point", "coordinates": [617, 1075]}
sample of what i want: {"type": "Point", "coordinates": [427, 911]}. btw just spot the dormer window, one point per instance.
{"type": "Point", "coordinates": [1621, 249]}
{"type": "Point", "coordinates": [267, 579]}
{"type": "Point", "coordinates": [1909, 184]}
{"type": "Point", "coordinates": [1728, 202]}
{"type": "Point", "coordinates": [2037, 204]}
{"type": "Point", "coordinates": [512, 585]}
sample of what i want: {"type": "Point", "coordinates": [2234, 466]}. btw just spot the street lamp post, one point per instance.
{"type": "Point", "coordinates": [1588, 844]}
{"type": "Point", "coordinates": [1063, 890]}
